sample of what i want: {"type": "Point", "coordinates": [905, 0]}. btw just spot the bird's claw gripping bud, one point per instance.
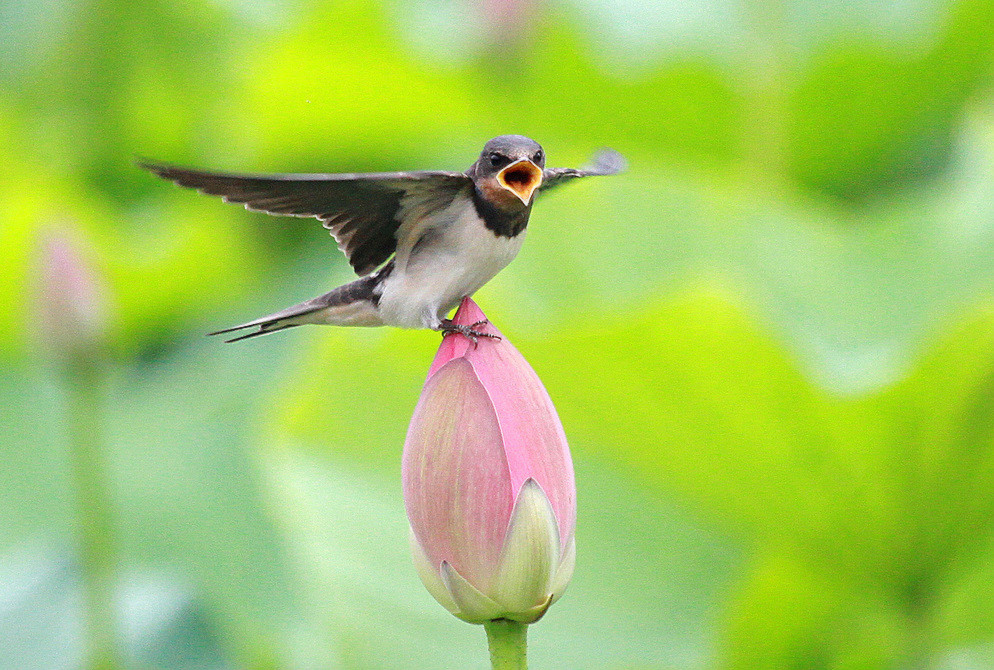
{"type": "Point", "coordinates": [472, 331]}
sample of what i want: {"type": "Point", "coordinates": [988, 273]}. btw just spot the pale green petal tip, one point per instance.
{"type": "Point", "coordinates": [430, 577]}
{"type": "Point", "coordinates": [473, 606]}
{"type": "Point", "coordinates": [530, 556]}
{"type": "Point", "coordinates": [565, 572]}
{"type": "Point", "coordinates": [532, 614]}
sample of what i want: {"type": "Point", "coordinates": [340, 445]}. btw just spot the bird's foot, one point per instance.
{"type": "Point", "coordinates": [471, 331]}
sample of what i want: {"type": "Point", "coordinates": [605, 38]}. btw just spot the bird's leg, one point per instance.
{"type": "Point", "coordinates": [470, 331]}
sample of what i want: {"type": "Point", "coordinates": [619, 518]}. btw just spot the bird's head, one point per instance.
{"type": "Point", "coordinates": [509, 170]}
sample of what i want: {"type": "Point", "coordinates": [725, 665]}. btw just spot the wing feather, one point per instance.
{"type": "Point", "coordinates": [605, 162]}
{"type": "Point", "coordinates": [363, 212]}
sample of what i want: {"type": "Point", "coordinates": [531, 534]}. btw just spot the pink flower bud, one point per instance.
{"type": "Point", "coordinates": [508, 20]}
{"type": "Point", "coordinates": [488, 482]}
{"type": "Point", "coordinates": [72, 314]}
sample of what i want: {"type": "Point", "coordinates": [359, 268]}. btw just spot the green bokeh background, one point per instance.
{"type": "Point", "coordinates": [771, 341]}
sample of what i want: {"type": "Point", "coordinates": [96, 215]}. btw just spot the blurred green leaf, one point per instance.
{"type": "Point", "coordinates": [854, 293]}
{"type": "Point", "coordinates": [868, 115]}
{"type": "Point", "coordinates": [163, 626]}
{"type": "Point", "coordinates": [888, 494]}
{"type": "Point", "coordinates": [186, 495]}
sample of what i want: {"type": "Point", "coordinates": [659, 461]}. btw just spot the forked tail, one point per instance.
{"type": "Point", "coordinates": [287, 318]}
{"type": "Point", "coordinates": [353, 304]}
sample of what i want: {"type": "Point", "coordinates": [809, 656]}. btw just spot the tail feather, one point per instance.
{"type": "Point", "coordinates": [262, 331]}
{"type": "Point", "coordinates": [277, 320]}
{"type": "Point", "coordinates": [353, 304]}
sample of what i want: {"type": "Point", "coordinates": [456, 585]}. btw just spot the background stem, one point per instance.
{"type": "Point", "coordinates": [766, 149]}
{"type": "Point", "coordinates": [507, 644]}
{"type": "Point", "coordinates": [95, 524]}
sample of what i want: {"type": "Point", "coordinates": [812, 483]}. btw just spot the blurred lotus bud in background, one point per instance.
{"type": "Point", "coordinates": [71, 303]}
{"type": "Point", "coordinates": [72, 322]}
{"type": "Point", "coordinates": [488, 483]}
{"type": "Point", "coordinates": [508, 20]}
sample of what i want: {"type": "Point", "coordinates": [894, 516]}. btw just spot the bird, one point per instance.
{"type": "Point", "coordinates": [419, 241]}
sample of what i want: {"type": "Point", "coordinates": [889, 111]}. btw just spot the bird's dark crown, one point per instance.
{"type": "Point", "coordinates": [505, 149]}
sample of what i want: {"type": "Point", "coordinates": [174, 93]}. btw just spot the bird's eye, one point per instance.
{"type": "Point", "coordinates": [538, 157]}
{"type": "Point", "coordinates": [496, 159]}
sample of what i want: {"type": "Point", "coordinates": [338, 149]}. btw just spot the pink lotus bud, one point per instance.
{"type": "Point", "coordinates": [488, 482]}
{"type": "Point", "coordinates": [508, 20]}
{"type": "Point", "coordinates": [72, 310]}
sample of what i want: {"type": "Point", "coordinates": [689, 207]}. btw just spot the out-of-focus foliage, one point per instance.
{"type": "Point", "coordinates": [770, 342]}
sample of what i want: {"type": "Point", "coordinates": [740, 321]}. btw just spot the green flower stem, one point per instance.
{"type": "Point", "coordinates": [766, 149]}
{"type": "Point", "coordinates": [507, 644]}
{"type": "Point", "coordinates": [95, 526]}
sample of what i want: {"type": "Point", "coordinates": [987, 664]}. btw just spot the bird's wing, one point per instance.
{"type": "Point", "coordinates": [363, 212]}
{"type": "Point", "coordinates": [605, 162]}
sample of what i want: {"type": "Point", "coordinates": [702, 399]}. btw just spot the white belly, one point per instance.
{"type": "Point", "coordinates": [460, 257]}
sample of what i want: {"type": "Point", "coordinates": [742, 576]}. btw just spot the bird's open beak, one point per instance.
{"type": "Point", "coordinates": [521, 178]}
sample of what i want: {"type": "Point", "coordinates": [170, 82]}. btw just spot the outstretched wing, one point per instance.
{"type": "Point", "coordinates": [362, 211]}
{"type": "Point", "coordinates": [605, 162]}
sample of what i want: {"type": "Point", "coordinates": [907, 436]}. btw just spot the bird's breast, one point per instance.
{"type": "Point", "coordinates": [453, 256]}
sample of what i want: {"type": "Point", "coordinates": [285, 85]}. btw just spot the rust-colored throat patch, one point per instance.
{"type": "Point", "coordinates": [521, 178]}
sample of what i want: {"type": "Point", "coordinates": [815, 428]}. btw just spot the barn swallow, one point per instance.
{"type": "Point", "coordinates": [420, 241]}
